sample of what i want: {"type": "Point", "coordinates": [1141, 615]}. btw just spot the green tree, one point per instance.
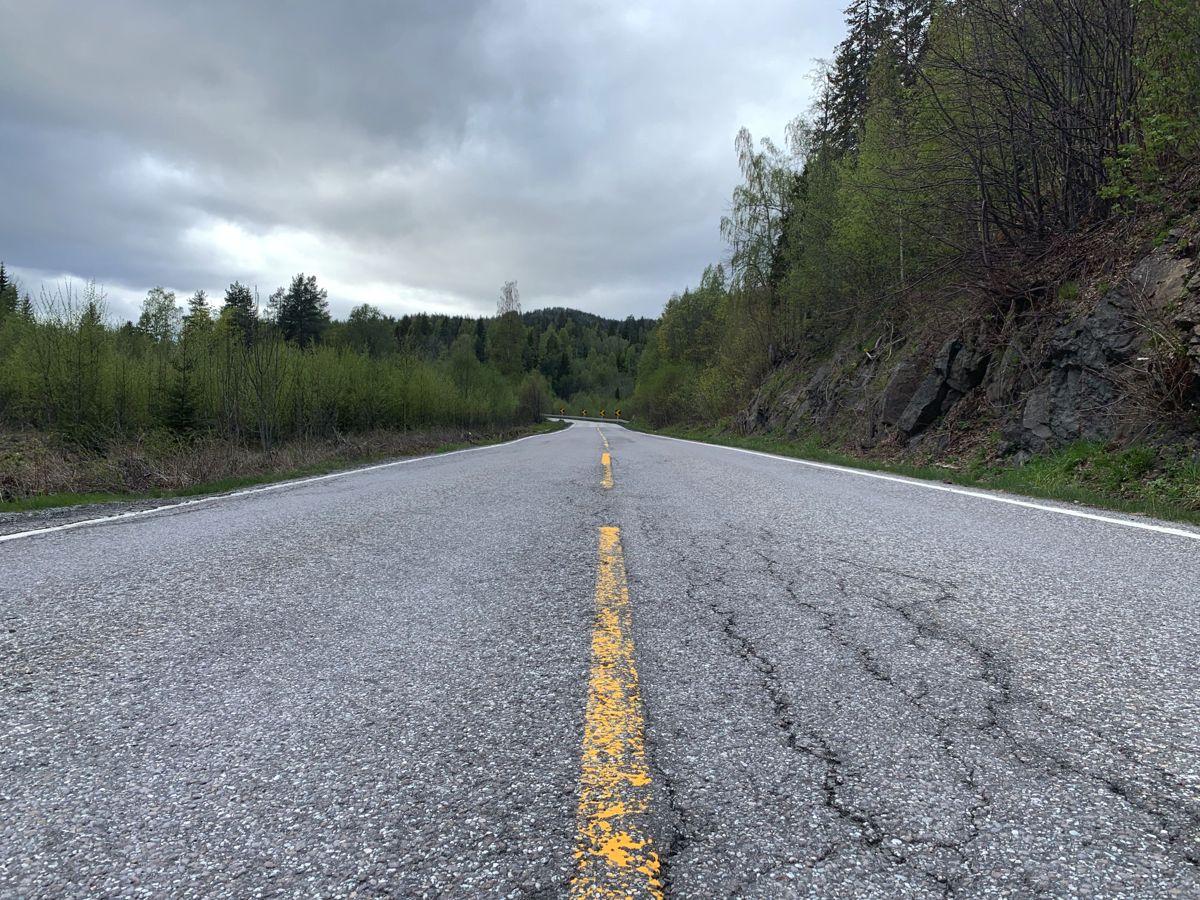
{"type": "Point", "coordinates": [303, 311]}
{"type": "Point", "coordinates": [198, 319]}
{"type": "Point", "coordinates": [241, 309]}
{"type": "Point", "coordinates": [508, 334]}
{"type": "Point", "coordinates": [753, 230]}
{"type": "Point", "coordinates": [160, 318]}
{"type": "Point", "coordinates": [867, 21]}
{"type": "Point", "coordinates": [369, 331]}
{"type": "Point", "coordinates": [9, 300]}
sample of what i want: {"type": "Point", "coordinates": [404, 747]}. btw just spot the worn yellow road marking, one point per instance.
{"type": "Point", "coordinates": [613, 850]}
{"type": "Point", "coordinates": [606, 481]}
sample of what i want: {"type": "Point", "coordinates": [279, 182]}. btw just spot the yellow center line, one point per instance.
{"type": "Point", "coordinates": [613, 850]}
{"type": "Point", "coordinates": [602, 436]}
{"type": "Point", "coordinates": [606, 481]}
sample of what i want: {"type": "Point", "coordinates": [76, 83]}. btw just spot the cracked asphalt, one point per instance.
{"type": "Point", "coordinates": [375, 686]}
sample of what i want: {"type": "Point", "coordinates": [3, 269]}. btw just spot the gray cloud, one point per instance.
{"type": "Point", "coordinates": [411, 155]}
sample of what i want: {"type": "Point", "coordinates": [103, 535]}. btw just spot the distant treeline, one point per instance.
{"type": "Point", "coordinates": [952, 139]}
{"type": "Point", "coordinates": [286, 369]}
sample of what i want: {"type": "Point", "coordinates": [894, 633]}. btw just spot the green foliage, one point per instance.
{"type": "Point", "coordinates": [302, 312]}
{"type": "Point", "coordinates": [1158, 481]}
{"type": "Point", "coordinates": [1165, 126]}
{"type": "Point", "coordinates": [161, 318]}
{"type": "Point", "coordinates": [534, 399]}
{"type": "Point", "coordinates": [948, 140]}
{"type": "Point", "coordinates": [369, 331]}
{"type": "Point", "coordinates": [294, 375]}
{"type": "Point", "coordinates": [240, 310]}
{"type": "Point", "coordinates": [10, 300]}
{"type": "Point", "coordinates": [1068, 290]}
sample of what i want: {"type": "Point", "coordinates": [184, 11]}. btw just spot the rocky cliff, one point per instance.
{"type": "Point", "coordinates": [1111, 356]}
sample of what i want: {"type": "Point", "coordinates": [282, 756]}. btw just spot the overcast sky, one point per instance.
{"type": "Point", "coordinates": [414, 155]}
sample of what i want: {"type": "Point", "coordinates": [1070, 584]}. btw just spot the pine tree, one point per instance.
{"type": "Point", "coordinates": [868, 22]}
{"type": "Point", "coordinates": [240, 302]}
{"type": "Point", "coordinates": [303, 311]}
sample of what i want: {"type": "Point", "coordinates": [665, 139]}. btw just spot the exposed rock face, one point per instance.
{"type": "Point", "coordinates": [1092, 360]}
{"type": "Point", "coordinates": [1080, 377]}
{"type": "Point", "coordinates": [957, 369]}
{"type": "Point", "coordinates": [1077, 395]}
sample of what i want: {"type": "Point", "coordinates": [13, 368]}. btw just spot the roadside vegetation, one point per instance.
{"type": "Point", "coordinates": [1163, 482]}
{"type": "Point", "coordinates": [58, 475]}
{"type": "Point", "coordinates": [950, 178]}
{"type": "Point", "coordinates": [196, 394]}
{"type": "Point", "coordinates": [951, 144]}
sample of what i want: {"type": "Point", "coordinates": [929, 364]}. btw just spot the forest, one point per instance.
{"type": "Point", "coordinates": [951, 145]}
{"type": "Point", "coordinates": [283, 370]}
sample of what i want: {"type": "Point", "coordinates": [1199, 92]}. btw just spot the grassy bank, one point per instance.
{"type": "Point", "coordinates": [1163, 482]}
{"type": "Point", "coordinates": [38, 472]}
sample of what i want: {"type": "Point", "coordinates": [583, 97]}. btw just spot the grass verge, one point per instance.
{"type": "Point", "coordinates": [236, 482]}
{"type": "Point", "coordinates": [1163, 482]}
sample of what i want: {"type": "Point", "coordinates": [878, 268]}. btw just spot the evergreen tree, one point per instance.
{"type": "Point", "coordinates": [179, 408]}
{"type": "Point", "coordinates": [198, 318]}
{"type": "Point", "coordinates": [910, 30]}
{"type": "Point", "coordinates": [480, 339]}
{"type": "Point", "coordinates": [868, 22]}
{"type": "Point", "coordinates": [274, 304]}
{"type": "Point", "coordinates": [240, 303]}
{"type": "Point", "coordinates": [9, 299]}
{"type": "Point", "coordinates": [303, 311]}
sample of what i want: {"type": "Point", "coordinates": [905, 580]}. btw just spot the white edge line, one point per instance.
{"type": "Point", "coordinates": [995, 498]}
{"type": "Point", "coordinates": [262, 489]}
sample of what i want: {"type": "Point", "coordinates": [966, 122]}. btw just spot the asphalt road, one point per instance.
{"type": "Point", "coordinates": [379, 685]}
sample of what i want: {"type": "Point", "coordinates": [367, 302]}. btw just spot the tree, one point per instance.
{"type": "Point", "coordinates": [910, 31]}
{"type": "Point", "coordinates": [160, 318]}
{"type": "Point", "coordinates": [179, 410]}
{"type": "Point", "coordinates": [303, 311]}
{"type": "Point", "coordinates": [508, 334]}
{"type": "Point", "coordinates": [868, 22]}
{"type": "Point", "coordinates": [239, 302]}
{"type": "Point", "coordinates": [510, 299]}
{"type": "Point", "coordinates": [198, 319]}
{"type": "Point", "coordinates": [753, 230]}
{"type": "Point", "coordinates": [369, 331]}
{"type": "Point", "coordinates": [10, 301]}
{"type": "Point", "coordinates": [160, 322]}
{"type": "Point", "coordinates": [534, 398]}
